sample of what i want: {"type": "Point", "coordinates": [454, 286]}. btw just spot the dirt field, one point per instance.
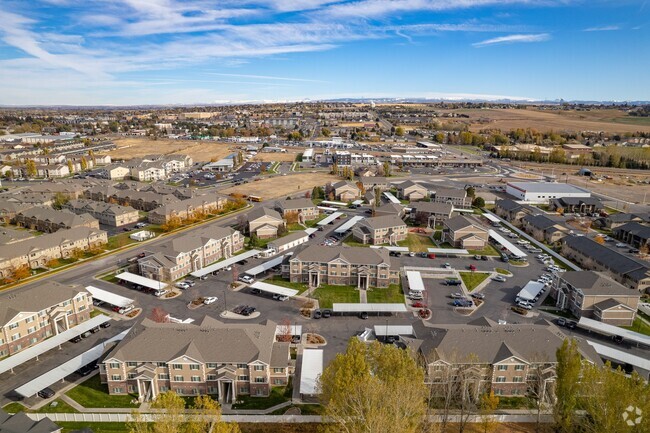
{"type": "Point", "coordinates": [289, 156]}
{"type": "Point", "coordinates": [136, 147]}
{"type": "Point", "coordinates": [595, 120]}
{"type": "Point", "coordinates": [282, 186]}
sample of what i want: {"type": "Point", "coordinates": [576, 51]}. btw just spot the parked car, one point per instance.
{"type": "Point", "coordinates": [561, 321]}
{"type": "Point", "coordinates": [520, 310]}
{"type": "Point", "coordinates": [430, 255]}
{"type": "Point", "coordinates": [617, 339]}
{"type": "Point", "coordinates": [75, 339]}
{"type": "Point", "coordinates": [477, 257]}
{"type": "Point", "coordinates": [621, 245]}
{"type": "Point", "coordinates": [246, 279]}
{"type": "Point", "coordinates": [472, 267]}
{"type": "Point", "coordinates": [363, 315]}
{"type": "Point", "coordinates": [524, 305]}
{"type": "Point", "coordinates": [571, 324]}
{"type": "Point", "coordinates": [478, 295]}
{"type": "Point", "coordinates": [279, 297]}
{"type": "Point", "coordinates": [446, 266]}
{"type": "Point", "coordinates": [317, 314]}
{"type": "Point", "coordinates": [484, 258]}
{"type": "Point", "coordinates": [210, 300]}
{"type": "Point", "coordinates": [499, 278]}
{"type": "Point", "coordinates": [105, 325]}
{"type": "Point", "coordinates": [182, 285]}
{"type": "Point", "coordinates": [159, 293]}
{"type": "Point", "coordinates": [453, 282]}
{"type": "Point", "coordinates": [190, 283]}
{"type": "Point", "coordinates": [457, 295]}
{"type": "Point", "coordinates": [85, 370]}
{"type": "Point", "coordinates": [419, 305]}
{"type": "Point", "coordinates": [46, 393]}
{"type": "Point", "coordinates": [327, 313]}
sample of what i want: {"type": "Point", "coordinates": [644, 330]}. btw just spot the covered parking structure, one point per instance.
{"type": "Point", "coordinates": [448, 251]}
{"type": "Point", "coordinates": [67, 368]}
{"type": "Point", "coordinates": [393, 330]}
{"type": "Point", "coordinates": [391, 198]}
{"type": "Point", "coordinates": [414, 279]}
{"type": "Point", "coordinates": [348, 224]}
{"type": "Point", "coordinates": [622, 357]}
{"type": "Point", "coordinates": [531, 290]}
{"type": "Point", "coordinates": [329, 219]}
{"type": "Point", "coordinates": [13, 361]}
{"type": "Point", "coordinates": [224, 263]}
{"type": "Point", "coordinates": [349, 308]}
{"type": "Point", "coordinates": [334, 203]}
{"type": "Point", "coordinates": [272, 288]}
{"type": "Point", "coordinates": [507, 244]}
{"type": "Point", "coordinates": [389, 248]}
{"type": "Point", "coordinates": [140, 280]}
{"type": "Point", "coordinates": [269, 264]}
{"type": "Point", "coordinates": [109, 297]}
{"type": "Point", "coordinates": [611, 330]}
{"type": "Point", "coordinates": [310, 370]}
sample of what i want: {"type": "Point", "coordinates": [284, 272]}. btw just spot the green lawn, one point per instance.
{"type": "Point", "coordinates": [261, 243]}
{"type": "Point", "coordinates": [473, 279]}
{"type": "Point", "coordinates": [487, 251]}
{"type": "Point", "coordinates": [120, 240]}
{"type": "Point", "coordinates": [640, 326]}
{"type": "Point", "coordinates": [417, 243]}
{"type": "Point", "coordinates": [279, 281]}
{"type": "Point", "coordinates": [314, 222]}
{"type": "Point", "coordinates": [97, 427]}
{"type": "Point", "coordinates": [110, 278]}
{"type": "Point", "coordinates": [60, 407]}
{"type": "Point", "coordinates": [278, 395]}
{"type": "Point", "coordinates": [14, 407]}
{"type": "Point", "coordinates": [328, 295]}
{"type": "Point", "coordinates": [92, 393]}
{"type": "Point", "coordinates": [96, 312]}
{"type": "Point", "coordinates": [391, 295]}
{"type": "Point", "coordinates": [351, 242]}
{"type": "Point", "coordinates": [502, 271]}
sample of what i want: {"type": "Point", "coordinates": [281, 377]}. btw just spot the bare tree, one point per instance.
{"type": "Point", "coordinates": [159, 315]}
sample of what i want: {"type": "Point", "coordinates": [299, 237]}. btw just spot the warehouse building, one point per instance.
{"type": "Point", "coordinates": [542, 192]}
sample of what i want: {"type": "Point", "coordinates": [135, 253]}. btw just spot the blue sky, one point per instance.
{"type": "Point", "coordinates": [121, 52]}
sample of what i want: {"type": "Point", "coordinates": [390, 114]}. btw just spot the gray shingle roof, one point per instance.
{"type": "Point", "coordinates": [261, 211]}
{"type": "Point", "coordinates": [382, 222]}
{"type": "Point", "coordinates": [49, 240]}
{"type": "Point", "coordinates": [595, 283]}
{"type": "Point", "coordinates": [35, 299]}
{"type": "Point", "coordinates": [432, 207]}
{"type": "Point", "coordinates": [460, 222]}
{"type": "Point", "coordinates": [21, 423]}
{"type": "Point", "coordinates": [508, 205]}
{"type": "Point", "coordinates": [353, 255]}
{"type": "Point", "coordinates": [296, 203]}
{"type": "Point", "coordinates": [541, 222]}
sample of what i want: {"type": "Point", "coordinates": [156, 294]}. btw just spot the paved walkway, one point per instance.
{"type": "Point", "coordinates": [363, 296]}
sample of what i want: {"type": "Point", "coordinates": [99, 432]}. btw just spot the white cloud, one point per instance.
{"type": "Point", "coordinates": [266, 77]}
{"type": "Point", "coordinates": [602, 29]}
{"type": "Point", "coordinates": [511, 39]}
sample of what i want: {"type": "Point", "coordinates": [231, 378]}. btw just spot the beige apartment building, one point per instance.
{"type": "Point", "coordinates": [303, 207]}
{"type": "Point", "coordinates": [264, 222]}
{"type": "Point", "coordinates": [464, 232]}
{"type": "Point", "coordinates": [346, 191]}
{"type": "Point", "coordinates": [29, 317]}
{"type": "Point", "coordinates": [189, 208]}
{"type": "Point", "coordinates": [211, 357]}
{"type": "Point", "coordinates": [388, 229]}
{"type": "Point", "coordinates": [341, 265]}
{"type": "Point", "coordinates": [411, 191]}
{"type": "Point", "coordinates": [48, 220]}
{"type": "Point", "coordinates": [108, 214]}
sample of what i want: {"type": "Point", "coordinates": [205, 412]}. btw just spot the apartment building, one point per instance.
{"type": "Point", "coordinates": [390, 209]}
{"type": "Point", "coordinates": [36, 252]}
{"type": "Point", "coordinates": [342, 265]}
{"type": "Point", "coordinates": [189, 253]}
{"type": "Point", "coordinates": [595, 296]}
{"type": "Point", "coordinates": [147, 171]}
{"type": "Point", "coordinates": [464, 232]}
{"type": "Point", "coordinates": [264, 222]}
{"type": "Point", "coordinates": [633, 233]}
{"type": "Point", "coordinates": [210, 357]}
{"type": "Point", "coordinates": [508, 359]}
{"type": "Point", "coordinates": [544, 228]}
{"type": "Point", "coordinates": [29, 317]}
{"type": "Point", "coordinates": [346, 191]}
{"type": "Point", "coordinates": [576, 204]}
{"type": "Point", "coordinates": [186, 209]}
{"type": "Point", "coordinates": [371, 182]}
{"type": "Point", "coordinates": [431, 213]}
{"type": "Point", "coordinates": [593, 256]}
{"type": "Point", "coordinates": [457, 197]}
{"type": "Point", "coordinates": [411, 191]}
{"type": "Point", "coordinates": [303, 207]}
{"type": "Point", "coordinates": [618, 219]}
{"type": "Point", "coordinates": [48, 220]}
{"type": "Point", "coordinates": [141, 200]}
{"type": "Point", "coordinates": [388, 229]}
{"type": "Point", "coordinates": [510, 210]}
{"type": "Point", "coordinates": [108, 214]}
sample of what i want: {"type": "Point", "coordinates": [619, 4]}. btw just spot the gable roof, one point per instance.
{"type": "Point", "coordinates": [262, 211]}
{"type": "Point", "coordinates": [541, 222]}
{"type": "Point", "coordinates": [461, 222]}
{"type": "Point", "coordinates": [595, 283]}
{"type": "Point", "coordinates": [21, 423]}
{"type": "Point", "coordinates": [432, 207]}
{"type": "Point", "coordinates": [353, 255]}
{"type": "Point", "coordinates": [381, 222]}
{"type": "Point", "coordinates": [41, 296]}
{"type": "Point", "coordinates": [508, 205]}
{"type": "Point", "coordinates": [296, 203]}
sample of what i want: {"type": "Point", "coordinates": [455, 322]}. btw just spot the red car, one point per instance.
{"type": "Point", "coordinates": [419, 305]}
{"type": "Point", "coordinates": [432, 256]}
{"type": "Point", "coordinates": [472, 267]}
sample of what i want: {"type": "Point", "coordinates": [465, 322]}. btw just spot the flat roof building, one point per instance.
{"type": "Point", "coordinates": [544, 191]}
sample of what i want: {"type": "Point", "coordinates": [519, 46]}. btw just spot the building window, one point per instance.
{"type": "Point", "coordinates": [260, 380]}
{"type": "Point", "coordinates": [13, 326]}
{"type": "Point", "coordinates": [243, 390]}
{"type": "Point", "coordinates": [163, 388]}
{"type": "Point", "coordinates": [518, 379]}
{"type": "Point", "coordinates": [278, 381]}
{"type": "Point", "coordinates": [116, 377]}
{"type": "Point", "coordinates": [242, 365]}
{"type": "Point", "coordinates": [194, 366]}
{"type": "Point", "coordinates": [162, 376]}
{"type": "Point", "coordinates": [177, 366]}
{"type": "Point", "coordinates": [519, 367]}
{"type": "Point", "coordinates": [259, 368]}
{"type": "Point", "coordinates": [196, 378]}
{"type": "Point", "coordinates": [178, 378]}
{"type": "Point", "coordinates": [118, 390]}
{"type": "Point", "coordinates": [131, 376]}
{"type": "Point", "coordinates": [278, 370]}
{"type": "Point", "coordinates": [242, 378]}
{"type": "Point", "coordinates": [211, 365]}
{"type": "Point", "coordinates": [501, 379]}
{"type": "Point", "coordinates": [503, 368]}
{"type": "Point", "coordinates": [131, 364]}
{"type": "Point", "coordinates": [130, 389]}
{"type": "Point", "coordinates": [114, 365]}
{"type": "Point", "coordinates": [212, 377]}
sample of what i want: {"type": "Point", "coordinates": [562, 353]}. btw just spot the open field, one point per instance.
{"type": "Point", "coordinates": [595, 120]}
{"type": "Point", "coordinates": [136, 147]}
{"type": "Point", "coordinates": [288, 156]}
{"type": "Point", "coordinates": [282, 186]}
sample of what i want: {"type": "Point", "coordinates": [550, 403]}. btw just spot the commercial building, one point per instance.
{"type": "Point", "coordinates": [388, 229]}
{"type": "Point", "coordinates": [29, 317]}
{"type": "Point", "coordinates": [342, 265]}
{"type": "Point", "coordinates": [108, 214]}
{"type": "Point", "coordinates": [595, 296]}
{"type": "Point", "coordinates": [464, 232]}
{"type": "Point", "coordinates": [211, 357]}
{"type": "Point", "coordinates": [542, 192]}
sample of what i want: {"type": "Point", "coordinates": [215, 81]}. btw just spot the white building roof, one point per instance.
{"type": "Point", "coordinates": [389, 248]}
{"type": "Point", "coordinates": [109, 297]}
{"type": "Point", "coordinates": [369, 308]}
{"type": "Point", "coordinates": [491, 218]}
{"type": "Point", "coordinates": [272, 288]}
{"type": "Point", "coordinates": [334, 203]}
{"type": "Point", "coordinates": [266, 265]}
{"type": "Point", "coordinates": [310, 370]}
{"type": "Point", "coordinates": [139, 279]}
{"type": "Point", "coordinates": [19, 358]}
{"type": "Point", "coordinates": [507, 244]}
{"type": "Point", "coordinates": [450, 251]}
{"type": "Point", "coordinates": [391, 198]}
{"type": "Point", "coordinates": [349, 224]}
{"type": "Point", "coordinates": [224, 263]}
{"type": "Point", "coordinates": [620, 356]}
{"type": "Point", "coordinates": [547, 187]}
{"type": "Point", "coordinates": [604, 328]}
{"type": "Point", "coordinates": [393, 330]}
{"type": "Point", "coordinates": [415, 281]}
{"type": "Point", "coordinates": [329, 219]}
{"type": "Point", "coordinates": [530, 290]}
{"type": "Point", "coordinates": [67, 368]}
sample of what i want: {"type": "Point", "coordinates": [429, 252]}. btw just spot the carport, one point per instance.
{"type": "Point", "coordinates": [611, 330]}
{"type": "Point", "coordinates": [507, 244]}
{"type": "Point", "coordinates": [396, 249]}
{"type": "Point", "coordinates": [9, 363]}
{"type": "Point", "coordinates": [310, 369]}
{"type": "Point", "coordinates": [349, 308]}
{"type": "Point", "coordinates": [531, 290]}
{"type": "Point", "coordinates": [448, 251]}
{"type": "Point", "coordinates": [329, 219]}
{"type": "Point", "coordinates": [415, 281]}
{"type": "Point", "coordinates": [267, 265]}
{"type": "Point", "coordinates": [393, 330]}
{"type": "Point", "coordinates": [224, 263]}
{"type": "Point", "coordinates": [139, 279]}
{"type": "Point", "coordinates": [67, 368]}
{"type": "Point", "coordinates": [272, 288]}
{"type": "Point", "coordinates": [391, 198]}
{"type": "Point", "coordinates": [621, 357]}
{"type": "Point", "coordinates": [349, 224]}
{"type": "Point", "coordinates": [109, 297]}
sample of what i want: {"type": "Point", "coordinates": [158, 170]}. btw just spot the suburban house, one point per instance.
{"type": "Point", "coordinates": [304, 208]}
{"type": "Point", "coordinates": [388, 229]}
{"type": "Point", "coordinates": [457, 197]}
{"type": "Point", "coordinates": [346, 191]}
{"type": "Point", "coordinates": [510, 359]}
{"type": "Point", "coordinates": [576, 204]}
{"type": "Point", "coordinates": [264, 222]}
{"type": "Point", "coordinates": [29, 317]}
{"type": "Point", "coordinates": [198, 206]}
{"type": "Point", "coordinates": [189, 253]}
{"type": "Point", "coordinates": [390, 209]}
{"type": "Point", "coordinates": [594, 295]}
{"type": "Point", "coordinates": [209, 357]}
{"type": "Point", "coordinates": [108, 214]}
{"type": "Point", "coordinates": [543, 228]}
{"type": "Point", "coordinates": [464, 232]}
{"type": "Point", "coordinates": [411, 191]}
{"type": "Point", "coordinates": [48, 220]}
{"type": "Point", "coordinates": [431, 213]}
{"type": "Point", "coordinates": [633, 233]}
{"type": "Point", "coordinates": [511, 211]}
{"type": "Point", "coordinates": [593, 256]}
{"type": "Point", "coordinates": [36, 252]}
{"type": "Point", "coordinates": [342, 265]}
